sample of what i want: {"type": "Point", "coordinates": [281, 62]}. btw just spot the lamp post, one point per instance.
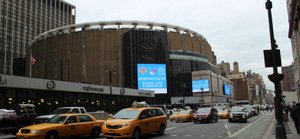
{"type": "Point", "coordinates": [275, 77]}
{"type": "Point", "coordinates": [110, 72]}
{"type": "Point", "coordinates": [183, 85]}
{"type": "Point", "coordinates": [202, 99]}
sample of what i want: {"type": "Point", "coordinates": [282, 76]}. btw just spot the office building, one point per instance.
{"type": "Point", "coordinates": [21, 21]}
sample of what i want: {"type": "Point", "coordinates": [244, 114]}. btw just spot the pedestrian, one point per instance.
{"type": "Point", "coordinates": [295, 113]}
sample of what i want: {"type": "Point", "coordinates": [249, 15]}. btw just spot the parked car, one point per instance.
{"type": "Point", "coordinates": [61, 126]}
{"type": "Point", "coordinates": [60, 110]}
{"type": "Point", "coordinates": [20, 115]}
{"type": "Point", "coordinates": [184, 116]}
{"type": "Point", "coordinates": [134, 122]}
{"type": "Point", "coordinates": [238, 113]}
{"type": "Point", "coordinates": [206, 114]}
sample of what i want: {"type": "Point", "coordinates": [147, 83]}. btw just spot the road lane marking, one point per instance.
{"type": "Point", "coordinates": [229, 134]}
{"type": "Point", "coordinates": [234, 134]}
{"type": "Point", "coordinates": [171, 128]}
{"type": "Point", "coordinates": [226, 127]}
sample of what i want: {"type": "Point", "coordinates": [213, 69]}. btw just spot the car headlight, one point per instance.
{"type": "Point", "coordinates": [126, 124]}
{"type": "Point", "coordinates": [104, 123]}
{"type": "Point", "coordinates": [231, 115]}
{"type": "Point", "coordinates": [36, 131]}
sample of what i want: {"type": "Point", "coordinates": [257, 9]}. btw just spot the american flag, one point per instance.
{"type": "Point", "coordinates": [33, 60]}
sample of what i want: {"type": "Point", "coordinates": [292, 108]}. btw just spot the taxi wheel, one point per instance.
{"type": "Point", "coordinates": [161, 130]}
{"type": "Point", "coordinates": [51, 135]}
{"type": "Point", "coordinates": [136, 133]}
{"type": "Point", "coordinates": [95, 132]}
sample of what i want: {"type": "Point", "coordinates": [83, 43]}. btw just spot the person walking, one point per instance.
{"type": "Point", "coordinates": [295, 114]}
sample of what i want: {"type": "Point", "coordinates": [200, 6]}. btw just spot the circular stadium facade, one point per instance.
{"type": "Point", "coordinates": [110, 53]}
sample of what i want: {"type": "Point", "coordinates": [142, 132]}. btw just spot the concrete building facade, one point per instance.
{"type": "Point", "coordinates": [83, 52]}
{"type": "Point", "coordinates": [288, 82]}
{"type": "Point", "coordinates": [22, 20]}
{"type": "Point", "coordinates": [293, 7]}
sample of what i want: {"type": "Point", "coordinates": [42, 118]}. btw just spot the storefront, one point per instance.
{"type": "Point", "coordinates": [47, 95]}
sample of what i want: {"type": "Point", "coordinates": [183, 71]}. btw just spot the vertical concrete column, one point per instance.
{"type": "Point", "coordinates": [120, 54]}
{"type": "Point", "coordinates": [84, 70]}
{"type": "Point", "coordinates": [135, 25]}
{"type": "Point", "coordinates": [150, 26]}
{"type": "Point", "coordinates": [101, 51]}
{"type": "Point", "coordinates": [165, 27]}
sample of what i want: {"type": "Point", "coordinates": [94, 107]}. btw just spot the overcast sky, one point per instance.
{"type": "Point", "coordinates": [237, 30]}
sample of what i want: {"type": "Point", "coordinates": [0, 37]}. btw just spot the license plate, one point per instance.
{"type": "Point", "coordinates": [111, 131]}
{"type": "Point", "coordinates": [22, 137]}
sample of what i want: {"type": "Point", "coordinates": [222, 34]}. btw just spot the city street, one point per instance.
{"type": "Point", "coordinates": [221, 129]}
{"type": "Point", "coordinates": [254, 128]}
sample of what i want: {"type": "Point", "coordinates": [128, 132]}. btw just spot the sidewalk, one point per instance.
{"type": "Point", "coordinates": [290, 130]}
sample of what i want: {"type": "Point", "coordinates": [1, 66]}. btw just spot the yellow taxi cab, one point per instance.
{"type": "Point", "coordinates": [173, 116]}
{"type": "Point", "coordinates": [63, 125]}
{"type": "Point", "coordinates": [134, 122]}
{"type": "Point", "coordinates": [223, 113]}
{"type": "Point", "coordinates": [185, 115]}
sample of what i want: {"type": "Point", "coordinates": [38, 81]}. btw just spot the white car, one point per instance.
{"type": "Point", "coordinates": [6, 114]}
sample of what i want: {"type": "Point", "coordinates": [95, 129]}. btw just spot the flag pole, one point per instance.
{"type": "Point", "coordinates": [30, 63]}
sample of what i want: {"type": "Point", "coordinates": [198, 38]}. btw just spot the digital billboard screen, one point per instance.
{"type": "Point", "coordinates": [152, 77]}
{"type": "Point", "coordinates": [227, 89]}
{"type": "Point", "coordinates": [200, 85]}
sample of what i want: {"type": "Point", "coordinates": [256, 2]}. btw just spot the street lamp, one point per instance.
{"type": "Point", "coordinates": [275, 77]}
{"type": "Point", "coordinates": [110, 72]}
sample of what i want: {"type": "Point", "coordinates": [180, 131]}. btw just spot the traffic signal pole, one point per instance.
{"type": "Point", "coordinates": [276, 78]}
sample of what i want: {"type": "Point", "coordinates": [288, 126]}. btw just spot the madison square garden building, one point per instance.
{"type": "Point", "coordinates": [124, 54]}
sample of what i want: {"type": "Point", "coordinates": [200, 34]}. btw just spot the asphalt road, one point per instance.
{"type": "Point", "coordinates": [253, 129]}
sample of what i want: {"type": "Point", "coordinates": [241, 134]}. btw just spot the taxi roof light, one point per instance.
{"type": "Point", "coordinates": [141, 104]}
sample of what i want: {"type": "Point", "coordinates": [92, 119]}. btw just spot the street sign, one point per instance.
{"type": "Point", "coordinates": [269, 58]}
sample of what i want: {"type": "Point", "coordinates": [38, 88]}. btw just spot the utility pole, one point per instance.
{"type": "Point", "coordinates": [272, 59]}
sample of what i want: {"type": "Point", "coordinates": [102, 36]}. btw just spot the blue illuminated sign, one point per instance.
{"type": "Point", "coordinates": [227, 89]}
{"type": "Point", "coordinates": [200, 86]}
{"type": "Point", "coordinates": [152, 77]}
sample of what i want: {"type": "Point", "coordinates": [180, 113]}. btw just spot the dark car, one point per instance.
{"type": "Point", "coordinates": [206, 115]}
{"type": "Point", "coordinates": [238, 113]}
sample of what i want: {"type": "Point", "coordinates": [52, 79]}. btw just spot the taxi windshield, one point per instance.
{"type": "Point", "coordinates": [223, 110]}
{"type": "Point", "coordinates": [184, 112]}
{"type": "Point", "coordinates": [127, 114]}
{"type": "Point", "coordinates": [203, 110]}
{"type": "Point", "coordinates": [57, 119]}
{"type": "Point", "coordinates": [237, 109]}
